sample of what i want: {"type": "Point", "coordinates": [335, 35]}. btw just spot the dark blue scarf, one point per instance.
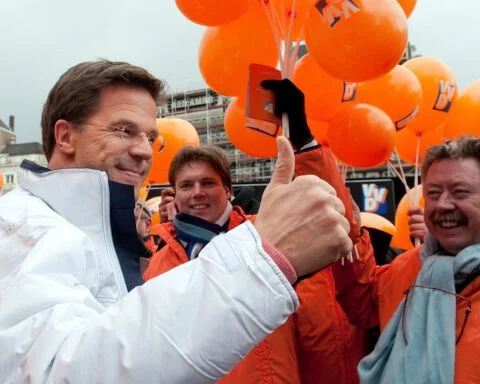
{"type": "Point", "coordinates": [196, 232]}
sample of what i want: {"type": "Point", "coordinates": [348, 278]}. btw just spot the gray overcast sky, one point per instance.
{"type": "Point", "coordinates": [39, 40]}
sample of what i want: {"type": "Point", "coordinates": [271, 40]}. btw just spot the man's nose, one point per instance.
{"type": "Point", "coordinates": [198, 190]}
{"type": "Point", "coordinates": [445, 201]}
{"type": "Point", "coordinates": [142, 149]}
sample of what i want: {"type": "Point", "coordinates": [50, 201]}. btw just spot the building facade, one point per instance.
{"type": "Point", "coordinates": [11, 157]}
{"type": "Point", "coordinates": [12, 154]}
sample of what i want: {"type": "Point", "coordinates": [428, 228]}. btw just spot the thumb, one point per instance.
{"type": "Point", "coordinates": [285, 165]}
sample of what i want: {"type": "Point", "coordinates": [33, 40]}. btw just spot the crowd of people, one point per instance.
{"type": "Point", "coordinates": [91, 293]}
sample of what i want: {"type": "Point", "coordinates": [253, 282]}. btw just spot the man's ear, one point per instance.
{"type": "Point", "coordinates": [64, 137]}
{"type": "Point", "coordinates": [229, 193]}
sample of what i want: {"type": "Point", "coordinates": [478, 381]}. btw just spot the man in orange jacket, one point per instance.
{"type": "Point", "coordinates": [317, 344]}
{"type": "Point", "coordinates": [425, 300]}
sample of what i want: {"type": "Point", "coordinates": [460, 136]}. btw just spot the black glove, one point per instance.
{"type": "Point", "coordinates": [290, 100]}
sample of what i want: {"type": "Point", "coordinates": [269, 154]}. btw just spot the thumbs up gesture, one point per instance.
{"type": "Point", "coordinates": [303, 218]}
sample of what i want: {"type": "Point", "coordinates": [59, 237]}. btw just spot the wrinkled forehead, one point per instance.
{"type": "Point", "coordinates": [453, 171]}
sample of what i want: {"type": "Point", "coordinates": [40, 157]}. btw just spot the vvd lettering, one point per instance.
{"type": "Point", "coordinates": [446, 92]}
{"type": "Point", "coordinates": [373, 196]}
{"type": "Point", "coordinates": [349, 91]}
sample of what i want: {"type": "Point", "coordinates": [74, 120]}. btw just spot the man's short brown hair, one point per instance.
{"type": "Point", "coordinates": [464, 147]}
{"type": "Point", "coordinates": [76, 94]}
{"type": "Point", "coordinates": [213, 156]}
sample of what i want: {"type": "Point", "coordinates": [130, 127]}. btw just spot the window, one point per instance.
{"type": "Point", "coordinates": [10, 179]}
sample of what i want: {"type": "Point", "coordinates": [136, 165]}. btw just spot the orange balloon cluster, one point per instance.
{"type": "Point", "coordinates": [348, 42]}
{"type": "Point", "coordinates": [398, 94]}
{"type": "Point", "coordinates": [464, 119]}
{"type": "Point", "coordinates": [175, 134]}
{"type": "Point", "coordinates": [439, 88]}
{"type": "Point", "coordinates": [227, 51]}
{"type": "Point", "coordinates": [361, 135]}
{"type": "Point", "coordinates": [356, 40]}
{"type": "Point", "coordinates": [213, 12]}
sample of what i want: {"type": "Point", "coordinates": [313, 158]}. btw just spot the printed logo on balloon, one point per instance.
{"type": "Point", "coordinates": [400, 124]}
{"type": "Point", "coordinates": [349, 91]}
{"type": "Point", "coordinates": [446, 94]}
{"type": "Point", "coordinates": [337, 10]}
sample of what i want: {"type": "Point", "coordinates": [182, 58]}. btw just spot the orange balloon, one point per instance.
{"type": "Point", "coordinates": [319, 130]}
{"type": "Point", "coordinates": [323, 94]}
{"type": "Point", "coordinates": [408, 6]}
{"type": "Point", "coordinates": [157, 147]}
{"type": "Point", "coordinates": [176, 133]}
{"type": "Point", "coordinates": [401, 238]}
{"type": "Point", "coordinates": [213, 12]}
{"type": "Point", "coordinates": [439, 89]}
{"type": "Point", "coordinates": [292, 11]}
{"type": "Point", "coordinates": [406, 144]}
{"type": "Point", "coordinates": [356, 40]}
{"type": "Point", "coordinates": [253, 142]}
{"type": "Point", "coordinates": [227, 51]}
{"type": "Point", "coordinates": [398, 94]}
{"type": "Point", "coordinates": [464, 118]}
{"type": "Point", "coordinates": [372, 220]}
{"type": "Point", "coordinates": [1, 180]}
{"type": "Point", "coordinates": [361, 135]}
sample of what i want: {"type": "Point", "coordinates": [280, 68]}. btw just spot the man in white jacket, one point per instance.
{"type": "Point", "coordinates": [73, 306]}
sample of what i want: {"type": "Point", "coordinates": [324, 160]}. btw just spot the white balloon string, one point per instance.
{"type": "Point", "coordinates": [269, 16]}
{"type": "Point", "coordinates": [401, 177]}
{"type": "Point", "coordinates": [417, 194]}
{"type": "Point", "coordinates": [417, 159]}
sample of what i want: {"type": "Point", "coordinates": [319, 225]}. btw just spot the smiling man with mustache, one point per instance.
{"type": "Point", "coordinates": [427, 300]}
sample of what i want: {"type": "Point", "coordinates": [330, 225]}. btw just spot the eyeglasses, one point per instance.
{"type": "Point", "coordinates": [459, 298]}
{"type": "Point", "coordinates": [126, 132]}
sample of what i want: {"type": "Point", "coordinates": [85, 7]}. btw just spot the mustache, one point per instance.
{"type": "Point", "coordinates": [438, 217]}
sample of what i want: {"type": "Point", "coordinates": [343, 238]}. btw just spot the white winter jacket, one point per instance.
{"type": "Point", "coordinates": [66, 316]}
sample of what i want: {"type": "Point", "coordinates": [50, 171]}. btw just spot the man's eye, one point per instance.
{"type": "Point", "coordinates": [124, 130]}
{"type": "Point", "coordinates": [460, 192]}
